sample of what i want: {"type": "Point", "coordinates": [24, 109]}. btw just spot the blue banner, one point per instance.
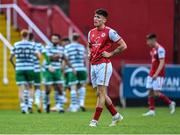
{"type": "Point", "coordinates": [134, 81]}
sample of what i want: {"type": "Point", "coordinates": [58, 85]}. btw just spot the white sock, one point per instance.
{"type": "Point", "coordinates": [56, 96]}
{"type": "Point", "coordinates": [60, 104]}
{"type": "Point", "coordinates": [26, 96]}
{"type": "Point", "coordinates": [24, 107]}
{"type": "Point", "coordinates": [73, 97]}
{"type": "Point", "coordinates": [82, 94]}
{"type": "Point", "coordinates": [37, 96]}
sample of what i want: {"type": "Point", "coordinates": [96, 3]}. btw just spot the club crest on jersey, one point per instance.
{"type": "Point", "coordinates": [103, 34]}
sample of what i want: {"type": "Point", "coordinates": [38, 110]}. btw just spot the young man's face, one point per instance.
{"type": "Point", "coordinates": [99, 20]}
{"type": "Point", "coordinates": [55, 39]}
{"type": "Point", "coordinates": [151, 42]}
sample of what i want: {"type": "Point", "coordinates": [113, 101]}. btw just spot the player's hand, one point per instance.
{"type": "Point", "coordinates": [74, 71]}
{"type": "Point", "coordinates": [154, 76]}
{"type": "Point", "coordinates": [106, 54]}
{"type": "Point", "coordinates": [51, 69]}
{"type": "Point", "coordinates": [56, 56]}
{"type": "Point", "coordinates": [89, 55]}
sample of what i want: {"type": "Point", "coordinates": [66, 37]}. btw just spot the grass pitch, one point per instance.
{"type": "Point", "coordinates": [73, 123]}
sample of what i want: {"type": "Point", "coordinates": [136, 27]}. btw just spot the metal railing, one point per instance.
{"type": "Point", "coordinates": [32, 26]}
{"type": "Point", "coordinates": [5, 67]}
{"type": "Point", "coordinates": [21, 13]}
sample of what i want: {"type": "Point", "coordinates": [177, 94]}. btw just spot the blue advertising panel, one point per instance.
{"type": "Point", "coordinates": [134, 81]}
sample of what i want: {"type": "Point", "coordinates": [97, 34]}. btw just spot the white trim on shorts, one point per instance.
{"type": "Point", "coordinates": [24, 82]}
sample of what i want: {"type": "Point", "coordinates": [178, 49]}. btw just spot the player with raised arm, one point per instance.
{"type": "Point", "coordinates": [156, 75]}
{"type": "Point", "coordinates": [100, 39]}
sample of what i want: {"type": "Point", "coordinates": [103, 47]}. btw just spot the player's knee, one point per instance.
{"type": "Point", "coordinates": [151, 93]}
{"type": "Point", "coordinates": [157, 93]}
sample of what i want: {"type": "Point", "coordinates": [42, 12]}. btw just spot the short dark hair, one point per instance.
{"type": "Point", "coordinates": [31, 36]}
{"type": "Point", "coordinates": [24, 33]}
{"type": "Point", "coordinates": [151, 36]}
{"type": "Point", "coordinates": [75, 36]}
{"type": "Point", "coordinates": [65, 39]}
{"type": "Point", "coordinates": [56, 35]}
{"type": "Point", "coordinates": [102, 12]}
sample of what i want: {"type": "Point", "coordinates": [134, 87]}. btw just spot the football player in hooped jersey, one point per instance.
{"type": "Point", "coordinates": [156, 75]}
{"type": "Point", "coordinates": [100, 39]}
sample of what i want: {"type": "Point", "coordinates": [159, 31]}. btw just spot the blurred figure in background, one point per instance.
{"type": "Point", "coordinates": [24, 51]}
{"type": "Point", "coordinates": [54, 76]}
{"type": "Point", "coordinates": [37, 73]}
{"type": "Point", "coordinates": [64, 66]}
{"type": "Point", "coordinates": [76, 56]}
{"type": "Point", "coordinates": [156, 75]}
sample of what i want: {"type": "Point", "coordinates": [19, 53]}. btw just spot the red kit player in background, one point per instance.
{"type": "Point", "coordinates": [100, 39]}
{"type": "Point", "coordinates": [156, 76]}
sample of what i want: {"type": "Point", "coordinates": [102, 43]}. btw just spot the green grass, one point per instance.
{"type": "Point", "coordinates": [54, 123]}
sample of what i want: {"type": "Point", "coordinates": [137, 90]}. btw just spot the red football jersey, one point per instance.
{"type": "Point", "coordinates": [100, 41]}
{"type": "Point", "coordinates": [156, 55]}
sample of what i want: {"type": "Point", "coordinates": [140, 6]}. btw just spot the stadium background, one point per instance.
{"type": "Point", "coordinates": [132, 19]}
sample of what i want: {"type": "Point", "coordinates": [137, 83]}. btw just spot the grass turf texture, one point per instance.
{"type": "Point", "coordinates": [54, 123]}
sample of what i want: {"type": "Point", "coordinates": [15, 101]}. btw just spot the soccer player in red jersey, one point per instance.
{"type": "Point", "coordinates": [156, 76]}
{"type": "Point", "coordinates": [100, 39]}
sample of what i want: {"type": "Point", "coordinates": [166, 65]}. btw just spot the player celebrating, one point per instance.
{"type": "Point", "coordinates": [156, 76]}
{"type": "Point", "coordinates": [55, 53]}
{"type": "Point", "coordinates": [24, 52]}
{"type": "Point", "coordinates": [37, 71]}
{"type": "Point", "coordinates": [100, 39]}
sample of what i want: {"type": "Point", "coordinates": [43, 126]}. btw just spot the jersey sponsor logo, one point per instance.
{"type": "Point", "coordinates": [138, 81]}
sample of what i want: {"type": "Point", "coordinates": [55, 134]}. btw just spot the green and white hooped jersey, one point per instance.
{"type": "Point", "coordinates": [40, 48]}
{"type": "Point", "coordinates": [76, 54]}
{"type": "Point", "coordinates": [52, 50]}
{"type": "Point", "coordinates": [24, 52]}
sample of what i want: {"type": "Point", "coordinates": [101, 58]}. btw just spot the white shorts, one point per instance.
{"type": "Point", "coordinates": [155, 84]}
{"type": "Point", "coordinates": [101, 74]}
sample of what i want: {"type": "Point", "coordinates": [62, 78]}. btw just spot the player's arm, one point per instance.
{"type": "Point", "coordinates": [161, 56]}
{"type": "Point", "coordinates": [69, 64]}
{"type": "Point", "coordinates": [38, 54]}
{"type": "Point", "coordinates": [12, 60]}
{"type": "Point", "coordinates": [119, 41]}
{"type": "Point", "coordinates": [161, 65]}
{"type": "Point", "coordinates": [88, 50]}
{"type": "Point", "coordinates": [55, 57]}
{"type": "Point", "coordinates": [121, 47]}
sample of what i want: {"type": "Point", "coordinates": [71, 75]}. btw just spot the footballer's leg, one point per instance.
{"type": "Point", "coordinates": [72, 83]}
{"type": "Point", "coordinates": [47, 98]}
{"type": "Point", "coordinates": [21, 82]}
{"type": "Point", "coordinates": [58, 83]}
{"type": "Point", "coordinates": [23, 99]}
{"type": "Point", "coordinates": [30, 80]}
{"type": "Point", "coordinates": [60, 98]}
{"type": "Point", "coordinates": [82, 79]}
{"type": "Point", "coordinates": [73, 94]}
{"type": "Point", "coordinates": [167, 101]}
{"type": "Point", "coordinates": [101, 92]}
{"type": "Point", "coordinates": [81, 96]}
{"type": "Point", "coordinates": [151, 103]}
{"type": "Point", "coordinates": [37, 93]}
{"type": "Point", "coordinates": [116, 117]}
